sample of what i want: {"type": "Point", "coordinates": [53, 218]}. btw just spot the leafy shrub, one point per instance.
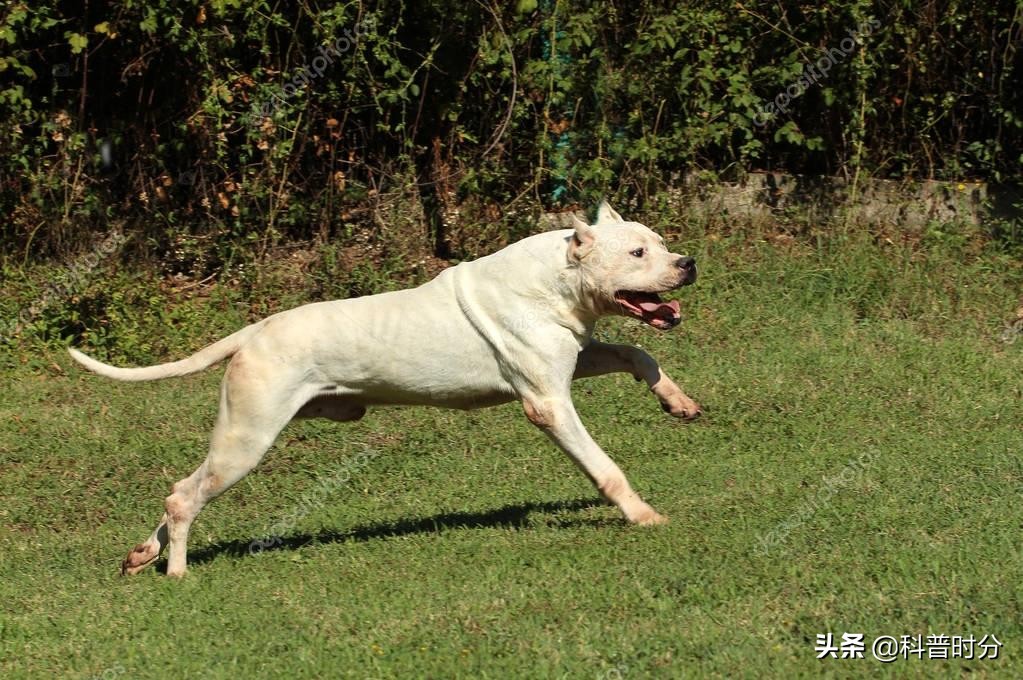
{"type": "Point", "coordinates": [218, 128]}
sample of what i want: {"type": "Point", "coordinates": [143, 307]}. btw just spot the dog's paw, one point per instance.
{"type": "Point", "coordinates": [650, 519]}
{"type": "Point", "coordinates": [674, 400]}
{"type": "Point", "coordinates": [681, 406]}
{"type": "Point", "coordinates": [139, 558]}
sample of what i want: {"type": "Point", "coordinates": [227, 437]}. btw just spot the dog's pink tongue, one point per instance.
{"type": "Point", "coordinates": [661, 309]}
{"type": "Point", "coordinates": [663, 315]}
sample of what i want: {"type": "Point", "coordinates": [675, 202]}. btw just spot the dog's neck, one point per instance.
{"type": "Point", "coordinates": [585, 304]}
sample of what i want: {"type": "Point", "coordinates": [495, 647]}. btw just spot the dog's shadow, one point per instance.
{"type": "Point", "coordinates": [509, 517]}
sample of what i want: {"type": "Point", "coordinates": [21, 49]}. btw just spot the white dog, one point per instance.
{"type": "Point", "coordinates": [515, 325]}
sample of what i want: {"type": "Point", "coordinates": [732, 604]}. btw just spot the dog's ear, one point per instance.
{"type": "Point", "coordinates": [581, 243]}
{"type": "Point", "coordinates": [605, 213]}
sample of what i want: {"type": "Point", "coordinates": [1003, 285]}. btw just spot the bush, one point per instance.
{"type": "Point", "coordinates": [218, 128]}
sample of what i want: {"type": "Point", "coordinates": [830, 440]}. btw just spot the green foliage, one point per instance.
{"type": "Point", "coordinates": [222, 128]}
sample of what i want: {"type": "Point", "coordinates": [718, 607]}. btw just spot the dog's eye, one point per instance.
{"type": "Point", "coordinates": [638, 252]}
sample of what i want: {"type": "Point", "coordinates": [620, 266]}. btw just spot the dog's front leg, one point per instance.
{"type": "Point", "coordinates": [600, 358]}
{"type": "Point", "coordinates": [559, 421]}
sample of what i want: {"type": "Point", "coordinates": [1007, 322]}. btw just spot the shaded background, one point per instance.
{"type": "Point", "coordinates": [152, 113]}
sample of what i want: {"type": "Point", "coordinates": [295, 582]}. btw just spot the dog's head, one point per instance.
{"type": "Point", "coordinates": [625, 267]}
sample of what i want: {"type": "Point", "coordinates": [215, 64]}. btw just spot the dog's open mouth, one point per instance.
{"type": "Point", "coordinates": [649, 308]}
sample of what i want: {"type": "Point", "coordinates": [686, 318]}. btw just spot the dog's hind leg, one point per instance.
{"type": "Point", "coordinates": [233, 453]}
{"type": "Point", "coordinates": [251, 415]}
{"type": "Point", "coordinates": [599, 358]}
{"type": "Point", "coordinates": [238, 444]}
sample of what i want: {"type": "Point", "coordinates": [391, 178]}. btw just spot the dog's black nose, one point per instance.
{"type": "Point", "coordinates": [688, 267]}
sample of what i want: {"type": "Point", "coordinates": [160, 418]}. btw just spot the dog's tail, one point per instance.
{"type": "Point", "coordinates": [204, 358]}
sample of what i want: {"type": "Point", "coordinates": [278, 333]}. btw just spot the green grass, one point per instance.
{"type": "Point", "coordinates": [465, 545]}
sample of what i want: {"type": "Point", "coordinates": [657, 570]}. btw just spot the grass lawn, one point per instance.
{"type": "Point", "coordinates": [857, 470]}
